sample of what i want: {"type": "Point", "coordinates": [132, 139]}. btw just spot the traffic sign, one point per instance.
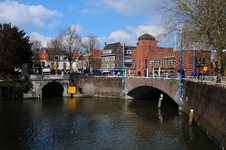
{"type": "Point", "coordinates": [72, 90]}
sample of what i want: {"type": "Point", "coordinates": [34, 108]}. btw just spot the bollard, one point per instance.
{"type": "Point", "coordinates": [160, 101]}
{"type": "Point", "coordinates": [191, 117]}
{"type": "Point", "coordinates": [40, 94]}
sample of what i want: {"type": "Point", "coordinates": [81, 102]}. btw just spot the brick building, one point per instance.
{"type": "Point", "coordinates": [92, 60]}
{"type": "Point", "coordinates": [112, 58]}
{"type": "Point", "coordinates": [148, 55]}
{"type": "Point", "coordinates": [128, 57]}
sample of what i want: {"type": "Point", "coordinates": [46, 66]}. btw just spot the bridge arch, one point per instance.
{"type": "Point", "coordinates": [170, 87]}
{"type": "Point", "coordinates": [52, 89]}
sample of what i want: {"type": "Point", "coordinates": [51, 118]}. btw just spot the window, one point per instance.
{"type": "Point", "coordinates": [151, 62]}
{"type": "Point", "coordinates": [165, 62]}
{"type": "Point", "coordinates": [146, 63]}
{"type": "Point", "coordinates": [150, 50]}
{"type": "Point", "coordinates": [56, 57]}
{"type": "Point", "coordinates": [173, 62]}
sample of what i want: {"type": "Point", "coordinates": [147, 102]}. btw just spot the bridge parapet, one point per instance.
{"type": "Point", "coordinates": [39, 76]}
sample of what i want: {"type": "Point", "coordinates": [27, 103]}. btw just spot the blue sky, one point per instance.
{"type": "Point", "coordinates": [110, 20]}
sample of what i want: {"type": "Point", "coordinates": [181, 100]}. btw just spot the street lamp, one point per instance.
{"type": "Point", "coordinates": [181, 68]}
{"type": "Point", "coordinates": [194, 62]}
{"type": "Point", "coordinates": [123, 81]}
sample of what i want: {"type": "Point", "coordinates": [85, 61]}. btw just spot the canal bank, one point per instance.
{"type": "Point", "coordinates": [208, 103]}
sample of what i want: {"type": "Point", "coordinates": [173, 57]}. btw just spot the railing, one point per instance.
{"type": "Point", "coordinates": [39, 76]}
{"type": "Point", "coordinates": [202, 79]}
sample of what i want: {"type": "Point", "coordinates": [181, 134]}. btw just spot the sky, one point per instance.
{"type": "Point", "coordinates": [109, 20]}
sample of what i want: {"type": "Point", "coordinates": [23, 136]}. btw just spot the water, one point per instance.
{"type": "Point", "coordinates": [97, 123]}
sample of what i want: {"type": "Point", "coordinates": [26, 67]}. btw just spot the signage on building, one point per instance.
{"type": "Point", "coordinates": [205, 68]}
{"type": "Point", "coordinates": [134, 64]}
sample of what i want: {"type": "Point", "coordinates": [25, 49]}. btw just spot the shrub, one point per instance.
{"type": "Point", "coordinates": [14, 89]}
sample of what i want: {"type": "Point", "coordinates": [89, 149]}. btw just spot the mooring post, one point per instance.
{"type": "Point", "coordinates": [160, 101]}
{"type": "Point", "coordinates": [191, 117]}
{"type": "Point", "coordinates": [40, 94]}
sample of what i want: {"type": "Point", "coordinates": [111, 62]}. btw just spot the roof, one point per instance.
{"type": "Point", "coordinates": [43, 56]}
{"type": "Point", "coordinates": [146, 36]}
{"type": "Point", "coordinates": [96, 53]}
{"type": "Point", "coordinates": [130, 47]}
{"type": "Point", "coordinates": [112, 46]}
{"type": "Point", "coordinates": [76, 54]}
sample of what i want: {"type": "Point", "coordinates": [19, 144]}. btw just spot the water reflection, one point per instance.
{"type": "Point", "coordinates": [96, 123]}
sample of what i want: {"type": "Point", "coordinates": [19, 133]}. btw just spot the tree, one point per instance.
{"type": "Point", "coordinates": [36, 47]}
{"type": "Point", "coordinates": [52, 51]}
{"type": "Point", "coordinates": [90, 43]}
{"type": "Point", "coordinates": [203, 23]}
{"type": "Point", "coordinates": [15, 49]}
{"type": "Point", "coordinates": [69, 42]}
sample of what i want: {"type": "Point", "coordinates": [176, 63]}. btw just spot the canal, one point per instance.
{"type": "Point", "coordinates": [97, 123]}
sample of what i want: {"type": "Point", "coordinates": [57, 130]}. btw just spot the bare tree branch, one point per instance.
{"type": "Point", "coordinates": [203, 23]}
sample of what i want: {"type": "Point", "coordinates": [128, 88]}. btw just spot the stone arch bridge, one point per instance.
{"type": "Point", "coordinates": [143, 87]}
{"type": "Point", "coordinates": [49, 85]}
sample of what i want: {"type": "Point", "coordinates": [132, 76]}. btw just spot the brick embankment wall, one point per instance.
{"type": "Point", "coordinates": [98, 86]}
{"type": "Point", "coordinates": [209, 105]}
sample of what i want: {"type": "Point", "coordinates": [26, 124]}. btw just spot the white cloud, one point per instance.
{"type": "Point", "coordinates": [130, 39]}
{"type": "Point", "coordinates": [25, 16]}
{"type": "Point", "coordinates": [95, 11]}
{"type": "Point", "coordinates": [42, 38]}
{"type": "Point", "coordinates": [54, 24]}
{"type": "Point", "coordinates": [128, 7]}
{"type": "Point", "coordinates": [138, 31]}
{"type": "Point", "coordinates": [120, 36]}
{"type": "Point", "coordinates": [78, 28]}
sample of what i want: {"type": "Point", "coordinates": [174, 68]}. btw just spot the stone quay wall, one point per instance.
{"type": "Point", "coordinates": [209, 106]}
{"type": "Point", "coordinates": [98, 86]}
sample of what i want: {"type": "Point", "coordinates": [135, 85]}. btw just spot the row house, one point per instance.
{"type": "Point", "coordinates": [149, 56]}
{"type": "Point", "coordinates": [112, 58]}
{"type": "Point", "coordinates": [54, 58]}
{"type": "Point", "coordinates": [90, 61]}
{"type": "Point", "coordinates": [128, 57]}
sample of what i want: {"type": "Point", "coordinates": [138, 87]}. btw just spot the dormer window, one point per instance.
{"type": "Point", "coordinates": [107, 51]}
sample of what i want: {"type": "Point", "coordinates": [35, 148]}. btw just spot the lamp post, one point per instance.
{"type": "Point", "coordinates": [123, 81]}
{"type": "Point", "coordinates": [194, 62]}
{"type": "Point", "coordinates": [181, 68]}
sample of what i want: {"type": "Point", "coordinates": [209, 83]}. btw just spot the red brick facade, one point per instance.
{"type": "Point", "coordinates": [149, 55]}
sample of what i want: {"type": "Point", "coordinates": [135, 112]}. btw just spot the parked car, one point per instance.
{"type": "Point", "coordinates": [46, 71]}
{"type": "Point", "coordinates": [95, 73]}
{"type": "Point", "coordinates": [170, 75]}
